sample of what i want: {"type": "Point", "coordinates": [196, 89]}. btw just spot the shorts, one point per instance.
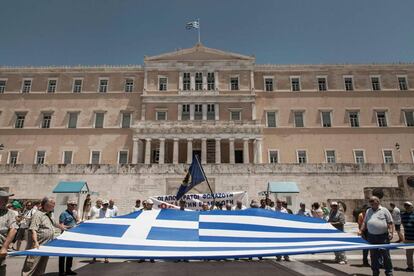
{"type": "Point", "coordinates": [398, 227]}
{"type": "Point", "coordinates": [21, 234]}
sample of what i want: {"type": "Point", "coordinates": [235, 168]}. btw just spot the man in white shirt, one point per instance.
{"type": "Point", "coordinates": [94, 213]}
{"type": "Point", "coordinates": [105, 212]}
{"type": "Point", "coordinates": [239, 205]}
{"type": "Point", "coordinates": [396, 217]}
{"type": "Point", "coordinates": [113, 207]}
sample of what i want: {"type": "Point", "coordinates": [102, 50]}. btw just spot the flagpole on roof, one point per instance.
{"type": "Point", "coordinates": [204, 174]}
{"type": "Point", "coordinates": [199, 27]}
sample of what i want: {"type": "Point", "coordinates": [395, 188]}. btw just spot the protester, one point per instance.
{"type": "Point", "coordinates": [396, 218]}
{"type": "Point", "coordinates": [87, 205]}
{"type": "Point", "coordinates": [148, 205]}
{"type": "Point", "coordinates": [303, 211]}
{"type": "Point", "coordinates": [94, 213]}
{"type": "Point", "coordinates": [42, 229]}
{"type": "Point", "coordinates": [378, 222]}
{"type": "Point", "coordinates": [325, 211]}
{"type": "Point", "coordinates": [363, 234]}
{"type": "Point", "coordinates": [68, 219]}
{"type": "Point", "coordinates": [113, 208]}
{"type": "Point", "coordinates": [105, 212]}
{"type": "Point", "coordinates": [137, 206]}
{"type": "Point", "coordinates": [8, 229]}
{"type": "Point", "coordinates": [254, 204]}
{"type": "Point", "coordinates": [205, 207]}
{"type": "Point", "coordinates": [285, 205]}
{"type": "Point", "coordinates": [407, 219]}
{"type": "Point", "coordinates": [337, 219]}
{"type": "Point", "coordinates": [22, 233]}
{"type": "Point", "coordinates": [239, 205]}
{"type": "Point", "coordinates": [317, 211]}
{"type": "Point", "coordinates": [229, 207]}
{"type": "Point", "coordinates": [182, 204]}
{"type": "Point", "coordinates": [281, 209]}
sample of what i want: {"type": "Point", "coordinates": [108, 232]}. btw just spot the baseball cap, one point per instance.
{"type": "Point", "coordinates": [408, 203]}
{"type": "Point", "coordinates": [3, 193]}
{"type": "Point", "coordinates": [72, 201]}
{"type": "Point", "coordinates": [334, 203]}
{"type": "Point", "coordinates": [149, 201]}
{"type": "Point", "coordinates": [105, 201]}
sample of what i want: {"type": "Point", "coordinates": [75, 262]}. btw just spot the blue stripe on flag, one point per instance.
{"type": "Point", "coordinates": [132, 215]}
{"type": "Point", "coordinates": [242, 239]}
{"type": "Point", "coordinates": [173, 234]}
{"type": "Point", "coordinates": [261, 228]}
{"type": "Point", "coordinates": [111, 246]}
{"type": "Point", "coordinates": [101, 229]}
{"type": "Point", "coordinates": [167, 214]}
{"type": "Point", "coordinates": [264, 213]}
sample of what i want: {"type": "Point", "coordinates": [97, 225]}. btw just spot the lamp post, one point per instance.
{"type": "Point", "coordinates": [397, 147]}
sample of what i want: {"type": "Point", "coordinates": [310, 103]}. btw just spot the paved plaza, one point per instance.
{"type": "Point", "coordinates": [309, 265]}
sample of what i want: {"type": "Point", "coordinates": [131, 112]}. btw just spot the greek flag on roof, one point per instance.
{"type": "Point", "coordinates": [192, 25]}
{"type": "Point", "coordinates": [174, 234]}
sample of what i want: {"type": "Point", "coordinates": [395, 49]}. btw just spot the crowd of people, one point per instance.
{"type": "Point", "coordinates": [34, 222]}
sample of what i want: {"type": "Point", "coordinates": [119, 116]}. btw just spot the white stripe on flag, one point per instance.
{"type": "Point", "coordinates": [142, 225]}
{"type": "Point", "coordinates": [255, 234]}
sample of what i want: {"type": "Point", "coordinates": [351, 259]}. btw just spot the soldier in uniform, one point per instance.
{"type": "Point", "coordinates": [8, 229]}
{"type": "Point", "coordinates": [42, 230]}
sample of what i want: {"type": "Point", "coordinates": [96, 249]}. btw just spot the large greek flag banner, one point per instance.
{"type": "Point", "coordinates": [174, 234]}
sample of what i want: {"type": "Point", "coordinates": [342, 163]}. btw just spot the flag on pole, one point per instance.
{"type": "Point", "coordinates": [194, 176]}
{"type": "Point", "coordinates": [193, 25]}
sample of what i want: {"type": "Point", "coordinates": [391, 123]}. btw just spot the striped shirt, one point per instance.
{"type": "Point", "coordinates": [407, 220]}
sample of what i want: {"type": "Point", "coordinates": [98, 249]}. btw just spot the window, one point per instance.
{"type": "Point", "coordinates": [273, 156]}
{"type": "Point", "coordinates": [295, 84]}
{"type": "Point", "coordinates": [271, 119]}
{"type": "Point", "coordinates": [382, 118]}
{"type": "Point", "coordinates": [20, 120]}
{"type": "Point", "coordinates": [103, 86]}
{"type": "Point", "coordinates": [47, 118]}
{"type": "Point", "coordinates": [51, 86]}
{"type": "Point", "coordinates": [349, 83]}
{"type": "Point", "coordinates": [77, 86]}
{"type": "Point", "coordinates": [162, 83]}
{"type": "Point", "coordinates": [211, 113]}
{"type": "Point", "coordinates": [322, 84]}
{"type": "Point", "coordinates": [95, 157]}
{"type": "Point", "coordinates": [99, 119]}
{"type": "Point", "coordinates": [326, 118]}
{"type": "Point", "coordinates": [375, 83]}
{"type": "Point", "coordinates": [186, 81]}
{"type": "Point", "coordinates": [126, 120]}
{"type": "Point", "coordinates": [235, 115]}
{"type": "Point", "coordinates": [198, 81]}
{"type": "Point", "coordinates": [13, 155]}
{"type": "Point", "coordinates": [67, 157]}
{"type": "Point", "coordinates": [402, 83]}
{"type": "Point", "coordinates": [27, 86]}
{"type": "Point", "coordinates": [198, 112]}
{"type": "Point", "coordinates": [73, 119]}
{"type": "Point", "coordinates": [299, 119]}
{"type": "Point", "coordinates": [359, 156]}
{"type": "Point", "coordinates": [302, 158]}
{"type": "Point", "coordinates": [388, 156]}
{"type": "Point", "coordinates": [409, 118]}
{"type": "Point", "coordinates": [129, 85]}
{"type": "Point", "coordinates": [185, 112]}
{"type": "Point", "coordinates": [40, 157]}
{"type": "Point", "coordinates": [330, 156]}
{"type": "Point", "coordinates": [354, 118]}
{"type": "Point", "coordinates": [123, 157]}
{"type": "Point", "coordinates": [2, 86]}
{"type": "Point", "coordinates": [268, 84]}
{"type": "Point", "coordinates": [155, 156]}
{"type": "Point", "coordinates": [210, 81]}
{"type": "Point", "coordinates": [234, 83]}
{"type": "Point", "coordinates": [161, 116]}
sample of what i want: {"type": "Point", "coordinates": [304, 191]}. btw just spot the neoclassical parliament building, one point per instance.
{"type": "Point", "coordinates": [238, 116]}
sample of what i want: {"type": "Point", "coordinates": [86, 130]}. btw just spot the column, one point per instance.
{"type": "Point", "coordinates": [204, 112]}
{"type": "Point", "coordinates": [189, 150]}
{"type": "Point", "coordinates": [258, 151]}
{"type": "Point", "coordinates": [203, 150]}
{"type": "Point", "coordinates": [218, 150]}
{"type": "Point", "coordinates": [145, 81]}
{"type": "Point", "coordinates": [148, 151]}
{"type": "Point", "coordinates": [161, 159]}
{"type": "Point", "coordinates": [217, 112]}
{"type": "Point", "coordinates": [180, 82]}
{"type": "Point", "coordinates": [192, 81]}
{"type": "Point", "coordinates": [216, 81]}
{"type": "Point", "coordinates": [246, 151]}
{"type": "Point", "coordinates": [192, 110]}
{"type": "Point", "coordinates": [252, 81]}
{"type": "Point", "coordinates": [135, 151]}
{"type": "Point", "coordinates": [204, 81]}
{"type": "Point", "coordinates": [231, 151]}
{"type": "Point", "coordinates": [253, 112]}
{"type": "Point", "coordinates": [180, 109]}
{"type": "Point", "coordinates": [175, 151]}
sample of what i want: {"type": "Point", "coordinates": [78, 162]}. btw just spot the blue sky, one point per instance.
{"type": "Point", "coordinates": [89, 32]}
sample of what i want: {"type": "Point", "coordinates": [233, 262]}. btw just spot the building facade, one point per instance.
{"type": "Point", "coordinates": [219, 105]}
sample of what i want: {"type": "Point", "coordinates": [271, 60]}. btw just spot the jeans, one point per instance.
{"type": "Point", "coordinates": [65, 267]}
{"type": "Point", "coordinates": [380, 255]}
